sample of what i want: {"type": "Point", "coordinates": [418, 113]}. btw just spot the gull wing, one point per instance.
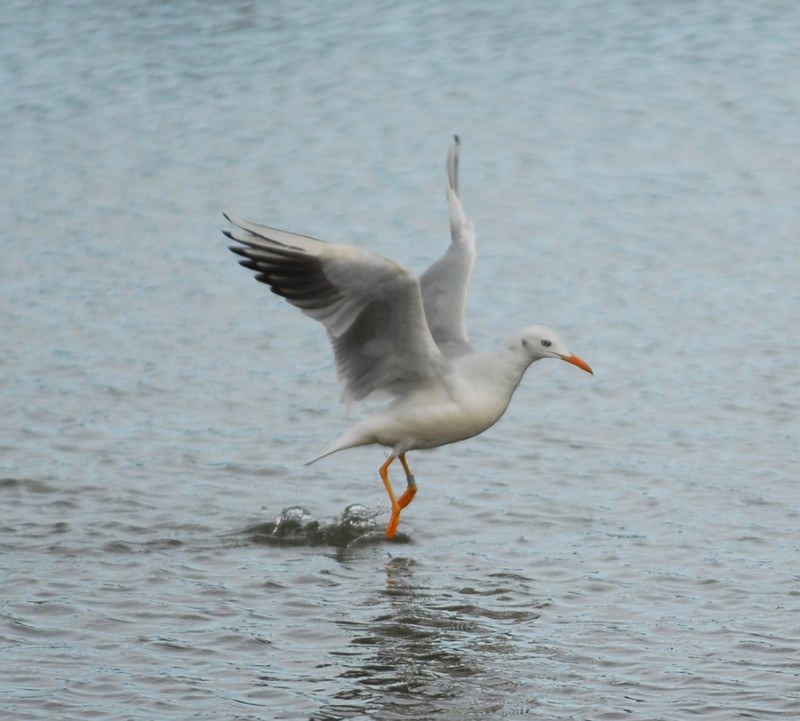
{"type": "Point", "coordinates": [371, 306]}
{"type": "Point", "coordinates": [446, 283]}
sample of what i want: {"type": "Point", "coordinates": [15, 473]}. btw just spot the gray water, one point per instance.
{"type": "Point", "coordinates": [618, 546]}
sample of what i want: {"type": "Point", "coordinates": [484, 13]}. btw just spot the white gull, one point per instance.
{"type": "Point", "coordinates": [399, 335]}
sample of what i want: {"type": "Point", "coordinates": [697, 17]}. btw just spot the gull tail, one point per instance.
{"type": "Point", "coordinates": [351, 439]}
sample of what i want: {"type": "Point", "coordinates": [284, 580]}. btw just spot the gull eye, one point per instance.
{"type": "Point", "coordinates": [547, 343]}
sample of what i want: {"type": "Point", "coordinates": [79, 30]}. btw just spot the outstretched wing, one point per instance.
{"type": "Point", "coordinates": [446, 283]}
{"type": "Point", "coordinates": [371, 306]}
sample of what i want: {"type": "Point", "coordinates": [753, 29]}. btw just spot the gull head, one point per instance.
{"type": "Point", "coordinates": [538, 341]}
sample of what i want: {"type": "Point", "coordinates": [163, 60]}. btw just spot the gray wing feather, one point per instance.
{"type": "Point", "coordinates": [446, 283]}
{"type": "Point", "coordinates": [371, 307]}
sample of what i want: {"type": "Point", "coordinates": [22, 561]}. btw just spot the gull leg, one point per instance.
{"type": "Point", "coordinates": [395, 518]}
{"type": "Point", "coordinates": [411, 490]}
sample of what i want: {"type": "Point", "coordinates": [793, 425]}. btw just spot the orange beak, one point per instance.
{"type": "Point", "coordinates": [582, 364]}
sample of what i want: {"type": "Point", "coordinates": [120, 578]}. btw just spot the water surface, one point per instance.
{"type": "Point", "coordinates": [618, 546]}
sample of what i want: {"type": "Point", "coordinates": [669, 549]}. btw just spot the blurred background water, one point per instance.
{"type": "Point", "coordinates": [622, 546]}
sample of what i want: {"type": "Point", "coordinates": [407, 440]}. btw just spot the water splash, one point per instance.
{"type": "Point", "coordinates": [296, 526]}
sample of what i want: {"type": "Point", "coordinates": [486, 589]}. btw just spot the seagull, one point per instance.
{"type": "Point", "coordinates": [399, 336]}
